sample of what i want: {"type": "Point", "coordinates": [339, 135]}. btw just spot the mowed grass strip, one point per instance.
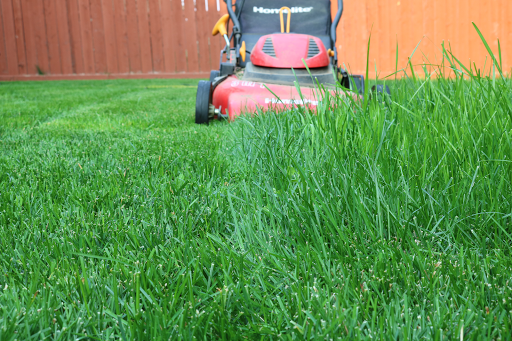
{"type": "Point", "coordinates": [121, 219]}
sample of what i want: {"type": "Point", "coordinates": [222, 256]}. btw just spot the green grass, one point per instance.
{"type": "Point", "coordinates": [121, 219]}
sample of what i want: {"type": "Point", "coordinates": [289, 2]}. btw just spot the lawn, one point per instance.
{"type": "Point", "coordinates": [122, 219]}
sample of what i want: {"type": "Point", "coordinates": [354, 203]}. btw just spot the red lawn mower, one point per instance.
{"type": "Point", "coordinates": [276, 60]}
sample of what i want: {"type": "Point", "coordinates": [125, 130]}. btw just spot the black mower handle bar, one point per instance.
{"type": "Point", "coordinates": [335, 23]}
{"type": "Point", "coordinates": [232, 15]}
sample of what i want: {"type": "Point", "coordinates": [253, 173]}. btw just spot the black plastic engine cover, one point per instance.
{"type": "Point", "coordinates": [255, 73]}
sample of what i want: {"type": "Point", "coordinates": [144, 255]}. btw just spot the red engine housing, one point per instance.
{"type": "Point", "coordinates": [287, 50]}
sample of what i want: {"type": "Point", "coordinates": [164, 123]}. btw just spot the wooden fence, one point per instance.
{"type": "Point", "coordinates": [95, 39]}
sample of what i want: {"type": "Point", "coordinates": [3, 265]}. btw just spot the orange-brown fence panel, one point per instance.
{"type": "Point", "coordinates": [72, 39]}
{"type": "Point", "coordinates": [422, 26]}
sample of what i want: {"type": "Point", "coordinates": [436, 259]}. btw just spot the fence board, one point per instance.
{"type": "Point", "coordinates": [462, 23]}
{"type": "Point", "coordinates": [203, 36]}
{"type": "Point", "coordinates": [41, 41]}
{"type": "Point", "coordinates": [168, 28]}
{"type": "Point", "coordinates": [110, 36]}
{"type": "Point", "coordinates": [145, 43]}
{"type": "Point", "coordinates": [52, 36]}
{"type": "Point", "coordinates": [133, 36]}
{"type": "Point", "coordinates": [86, 30]}
{"type": "Point", "coordinates": [20, 43]}
{"type": "Point", "coordinates": [189, 35]}
{"type": "Point", "coordinates": [384, 56]}
{"type": "Point", "coordinates": [64, 39]}
{"type": "Point", "coordinates": [178, 46]}
{"type": "Point", "coordinates": [10, 36]}
{"type": "Point", "coordinates": [4, 68]}
{"type": "Point", "coordinates": [123, 60]}
{"type": "Point", "coordinates": [77, 58]}
{"type": "Point", "coordinates": [416, 34]}
{"type": "Point", "coordinates": [374, 28]}
{"type": "Point", "coordinates": [98, 36]}
{"type": "Point", "coordinates": [349, 36]}
{"type": "Point", "coordinates": [155, 28]}
{"type": "Point", "coordinates": [507, 42]}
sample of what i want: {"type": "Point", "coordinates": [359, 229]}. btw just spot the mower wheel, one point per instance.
{"type": "Point", "coordinates": [357, 83]}
{"type": "Point", "coordinates": [214, 74]}
{"type": "Point", "coordinates": [203, 100]}
{"type": "Point", "coordinates": [380, 91]}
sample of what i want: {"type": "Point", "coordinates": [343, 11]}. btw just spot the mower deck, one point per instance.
{"type": "Point", "coordinates": [234, 96]}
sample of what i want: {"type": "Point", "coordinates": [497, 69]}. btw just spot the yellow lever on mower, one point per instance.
{"type": "Point", "coordinates": [220, 27]}
{"type": "Point", "coordinates": [289, 11]}
{"type": "Point", "coordinates": [243, 51]}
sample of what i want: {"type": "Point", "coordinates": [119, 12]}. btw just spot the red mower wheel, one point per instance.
{"type": "Point", "coordinates": [203, 100]}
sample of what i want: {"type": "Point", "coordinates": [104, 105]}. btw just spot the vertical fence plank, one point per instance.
{"type": "Point", "coordinates": [98, 36]}
{"type": "Point", "coordinates": [10, 37]}
{"type": "Point", "coordinates": [145, 43]}
{"type": "Point", "coordinates": [436, 57]}
{"type": "Point", "coordinates": [86, 34]}
{"type": "Point", "coordinates": [363, 33]}
{"type": "Point", "coordinates": [178, 48]}
{"type": "Point", "coordinates": [448, 27]}
{"type": "Point", "coordinates": [52, 36]}
{"type": "Point", "coordinates": [30, 45]}
{"type": "Point", "coordinates": [203, 34]}
{"type": "Point", "coordinates": [77, 58]}
{"type": "Point", "coordinates": [40, 36]}
{"type": "Point", "coordinates": [501, 16]}
{"type": "Point", "coordinates": [486, 29]}
{"type": "Point", "coordinates": [462, 28]}
{"type": "Point", "coordinates": [404, 34]}
{"type": "Point", "coordinates": [383, 37]}
{"type": "Point", "coordinates": [133, 36]}
{"type": "Point", "coordinates": [4, 68]}
{"type": "Point", "coordinates": [416, 22]}
{"type": "Point", "coordinates": [169, 36]}
{"type": "Point", "coordinates": [64, 39]}
{"type": "Point", "coordinates": [427, 36]}
{"type": "Point", "coordinates": [475, 40]}
{"type": "Point", "coordinates": [155, 28]}
{"type": "Point", "coordinates": [373, 30]}
{"type": "Point", "coordinates": [190, 36]}
{"type": "Point", "coordinates": [20, 36]}
{"type": "Point", "coordinates": [496, 27]}
{"type": "Point", "coordinates": [121, 37]}
{"type": "Point", "coordinates": [507, 42]}
{"type": "Point", "coordinates": [481, 57]}
{"type": "Point", "coordinates": [110, 36]}
{"type": "Point", "coordinates": [345, 37]}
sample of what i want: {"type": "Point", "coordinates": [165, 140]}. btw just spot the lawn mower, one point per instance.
{"type": "Point", "coordinates": [302, 51]}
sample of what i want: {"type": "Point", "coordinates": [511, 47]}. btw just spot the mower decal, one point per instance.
{"type": "Point", "coordinates": [276, 10]}
{"type": "Point", "coordinates": [246, 84]}
{"type": "Point", "coordinates": [290, 101]}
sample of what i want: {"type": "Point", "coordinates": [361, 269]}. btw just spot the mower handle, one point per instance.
{"type": "Point", "coordinates": [335, 23]}
{"type": "Point", "coordinates": [288, 17]}
{"type": "Point", "coordinates": [234, 18]}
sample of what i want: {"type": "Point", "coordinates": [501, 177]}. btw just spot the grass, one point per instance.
{"type": "Point", "coordinates": [121, 219]}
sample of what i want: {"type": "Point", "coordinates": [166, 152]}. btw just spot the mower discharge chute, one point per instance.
{"type": "Point", "coordinates": [256, 59]}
